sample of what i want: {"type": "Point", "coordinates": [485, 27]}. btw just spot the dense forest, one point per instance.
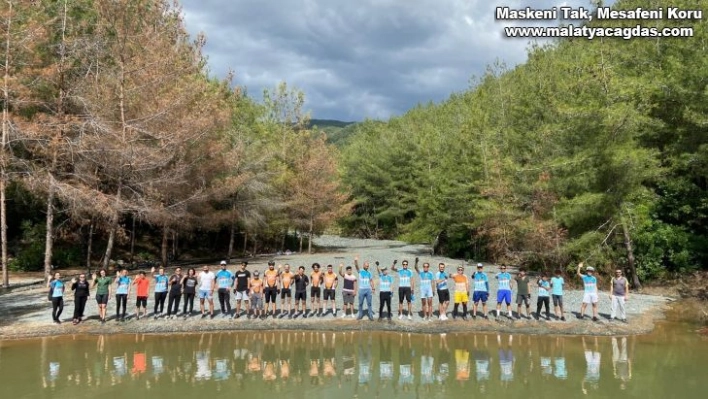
{"type": "Point", "coordinates": [592, 150]}
{"type": "Point", "coordinates": [116, 138]}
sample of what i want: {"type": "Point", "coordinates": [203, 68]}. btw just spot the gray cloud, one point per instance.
{"type": "Point", "coordinates": [356, 59]}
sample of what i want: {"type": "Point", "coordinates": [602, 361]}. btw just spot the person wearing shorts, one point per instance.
{"type": "Point", "coordinates": [330, 281]}
{"type": "Point", "coordinates": [441, 278]}
{"type": "Point", "coordinates": [286, 300]}
{"type": "Point", "coordinates": [523, 294]}
{"type": "Point", "coordinates": [143, 287]}
{"type": "Point", "coordinates": [207, 284]}
{"type": "Point", "coordinates": [557, 283]}
{"type": "Point", "coordinates": [405, 287]}
{"type": "Point", "coordinates": [241, 280]}
{"type": "Point", "coordinates": [590, 291]}
{"type": "Point", "coordinates": [504, 291]}
{"type": "Point", "coordinates": [272, 281]}
{"type": "Point", "coordinates": [426, 289]}
{"type": "Point", "coordinates": [462, 289]}
{"type": "Point", "coordinates": [255, 287]}
{"type": "Point", "coordinates": [348, 290]}
{"type": "Point", "coordinates": [315, 290]}
{"type": "Point", "coordinates": [103, 292]}
{"type": "Point", "coordinates": [481, 290]}
{"type": "Point", "coordinates": [301, 283]}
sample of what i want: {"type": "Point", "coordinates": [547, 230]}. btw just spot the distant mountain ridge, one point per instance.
{"type": "Point", "coordinates": [338, 132]}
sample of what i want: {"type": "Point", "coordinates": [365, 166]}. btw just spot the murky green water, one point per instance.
{"type": "Point", "coordinates": [670, 363]}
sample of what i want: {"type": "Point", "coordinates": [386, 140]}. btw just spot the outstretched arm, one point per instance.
{"type": "Point", "coordinates": [356, 262]}
{"type": "Point", "coordinates": [580, 265]}
{"type": "Point", "coordinates": [393, 266]}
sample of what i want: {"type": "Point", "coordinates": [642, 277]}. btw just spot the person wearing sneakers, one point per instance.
{"type": "Point", "coordinates": [543, 296]}
{"type": "Point", "coordinates": [426, 289]}
{"type": "Point", "coordinates": [504, 291]}
{"type": "Point", "coordinates": [175, 295]}
{"type": "Point", "coordinates": [462, 292]}
{"type": "Point", "coordinates": [255, 287]}
{"type": "Point", "coordinates": [224, 281]}
{"type": "Point", "coordinates": [481, 290]}
{"type": "Point", "coordinates": [441, 278]}
{"type": "Point", "coordinates": [523, 294]}
{"type": "Point", "coordinates": [366, 289]}
{"type": "Point", "coordinates": [590, 288]}
{"type": "Point", "coordinates": [348, 290]}
{"type": "Point", "coordinates": [330, 281]}
{"type": "Point", "coordinates": [619, 290]}
{"type": "Point", "coordinates": [272, 281]}
{"type": "Point", "coordinates": [286, 281]}
{"type": "Point", "coordinates": [143, 287]}
{"type": "Point", "coordinates": [405, 287]}
{"type": "Point", "coordinates": [316, 290]}
{"type": "Point", "coordinates": [122, 292]}
{"type": "Point", "coordinates": [301, 283]}
{"type": "Point", "coordinates": [241, 279]}
{"type": "Point", "coordinates": [207, 284]}
{"type": "Point", "coordinates": [160, 291]}
{"type": "Point", "coordinates": [557, 283]}
{"type": "Point", "coordinates": [385, 293]}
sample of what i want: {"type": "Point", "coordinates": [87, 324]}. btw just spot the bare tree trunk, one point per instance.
{"type": "Point", "coordinates": [300, 250]}
{"type": "Point", "coordinates": [309, 235]}
{"type": "Point", "coordinates": [90, 243]}
{"type": "Point", "coordinates": [112, 233]}
{"type": "Point", "coordinates": [3, 150]}
{"type": "Point", "coordinates": [132, 241]}
{"type": "Point", "coordinates": [49, 238]}
{"type": "Point", "coordinates": [245, 242]}
{"type": "Point", "coordinates": [163, 247]}
{"type": "Point", "coordinates": [630, 257]}
{"type": "Point", "coordinates": [232, 236]}
{"type": "Point", "coordinates": [282, 242]}
{"type": "Point", "coordinates": [255, 244]}
{"type": "Point", "coordinates": [174, 245]}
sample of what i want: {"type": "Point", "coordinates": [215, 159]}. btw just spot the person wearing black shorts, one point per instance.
{"type": "Point", "coordinates": [270, 292]}
{"type": "Point", "coordinates": [315, 290]}
{"type": "Point", "coordinates": [301, 283]}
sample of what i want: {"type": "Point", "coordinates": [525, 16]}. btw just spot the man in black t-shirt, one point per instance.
{"type": "Point", "coordinates": [241, 278]}
{"type": "Point", "coordinates": [301, 283]}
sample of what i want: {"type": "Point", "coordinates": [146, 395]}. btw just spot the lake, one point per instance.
{"type": "Point", "coordinates": [669, 363]}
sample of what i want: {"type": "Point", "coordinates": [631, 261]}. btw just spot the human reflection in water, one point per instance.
{"type": "Point", "coordinates": [462, 366]}
{"type": "Point", "coordinates": [329, 361]}
{"type": "Point", "coordinates": [348, 356]}
{"type": "Point", "coordinates": [120, 369]}
{"type": "Point", "coordinates": [506, 360]}
{"type": "Point", "coordinates": [315, 354]}
{"type": "Point", "coordinates": [284, 355]}
{"type": "Point", "coordinates": [405, 363]}
{"type": "Point", "coordinates": [364, 360]}
{"type": "Point", "coordinates": [241, 352]}
{"type": "Point", "coordinates": [139, 364]}
{"type": "Point", "coordinates": [269, 360]}
{"type": "Point", "coordinates": [592, 373]}
{"type": "Point", "coordinates": [482, 361]}
{"type": "Point", "coordinates": [621, 362]}
{"type": "Point", "coordinates": [545, 361]}
{"type": "Point", "coordinates": [385, 363]}
{"type": "Point", "coordinates": [203, 358]}
{"type": "Point", "coordinates": [50, 380]}
{"type": "Point", "coordinates": [427, 362]}
{"type": "Point", "coordinates": [560, 372]}
{"type": "Point", "coordinates": [443, 369]}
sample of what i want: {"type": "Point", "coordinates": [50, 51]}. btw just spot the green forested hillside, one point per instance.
{"type": "Point", "coordinates": [592, 150]}
{"type": "Point", "coordinates": [338, 132]}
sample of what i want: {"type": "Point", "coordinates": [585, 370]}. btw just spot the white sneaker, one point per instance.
{"type": "Point", "coordinates": [400, 316]}
{"type": "Point", "coordinates": [353, 316]}
{"type": "Point", "coordinates": [344, 315]}
{"type": "Point", "coordinates": [443, 317]}
{"type": "Point", "coordinates": [409, 317]}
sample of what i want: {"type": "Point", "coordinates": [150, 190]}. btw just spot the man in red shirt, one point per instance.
{"type": "Point", "coordinates": [143, 285]}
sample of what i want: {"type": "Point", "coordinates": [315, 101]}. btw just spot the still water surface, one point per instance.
{"type": "Point", "coordinates": [672, 362]}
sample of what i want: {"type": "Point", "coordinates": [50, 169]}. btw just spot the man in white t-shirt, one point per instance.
{"type": "Point", "coordinates": [207, 284]}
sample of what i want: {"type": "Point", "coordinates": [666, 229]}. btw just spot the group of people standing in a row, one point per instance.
{"type": "Point", "coordinates": [253, 291]}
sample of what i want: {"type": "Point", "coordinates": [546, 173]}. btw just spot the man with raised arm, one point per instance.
{"type": "Point", "coordinates": [405, 287]}
{"type": "Point", "coordinates": [426, 289]}
{"type": "Point", "coordinates": [366, 288]}
{"type": "Point", "coordinates": [590, 287]}
{"type": "Point", "coordinates": [349, 281]}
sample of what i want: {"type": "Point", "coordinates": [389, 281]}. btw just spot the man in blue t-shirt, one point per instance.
{"type": "Point", "coordinates": [557, 284]}
{"type": "Point", "coordinates": [161, 281]}
{"type": "Point", "coordinates": [366, 289]}
{"type": "Point", "coordinates": [590, 291]}
{"type": "Point", "coordinates": [405, 287]}
{"type": "Point", "coordinates": [504, 291]}
{"type": "Point", "coordinates": [224, 281]}
{"type": "Point", "coordinates": [441, 278]}
{"type": "Point", "coordinates": [480, 291]}
{"type": "Point", "coordinates": [426, 289]}
{"type": "Point", "coordinates": [385, 293]}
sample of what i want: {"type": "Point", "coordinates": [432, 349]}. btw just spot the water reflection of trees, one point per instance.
{"type": "Point", "coordinates": [354, 363]}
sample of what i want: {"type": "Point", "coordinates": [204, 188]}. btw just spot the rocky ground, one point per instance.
{"type": "Point", "coordinates": [26, 312]}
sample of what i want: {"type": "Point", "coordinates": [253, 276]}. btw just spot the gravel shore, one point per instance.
{"type": "Point", "coordinates": [26, 313]}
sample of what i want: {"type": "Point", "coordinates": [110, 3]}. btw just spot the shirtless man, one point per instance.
{"type": "Point", "coordinates": [315, 290]}
{"type": "Point", "coordinates": [330, 288]}
{"type": "Point", "coordinates": [272, 279]}
{"type": "Point", "coordinates": [286, 280]}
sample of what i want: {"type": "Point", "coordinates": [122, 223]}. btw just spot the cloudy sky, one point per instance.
{"type": "Point", "coordinates": [357, 59]}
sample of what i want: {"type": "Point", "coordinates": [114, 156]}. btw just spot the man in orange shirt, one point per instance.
{"type": "Point", "coordinates": [462, 292]}
{"type": "Point", "coordinates": [286, 280]}
{"type": "Point", "coordinates": [143, 285]}
{"type": "Point", "coordinates": [272, 279]}
{"type": "Point", "coordinates": [330, 288]}
{"type": "Point", "coordinates": [315, 292]}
